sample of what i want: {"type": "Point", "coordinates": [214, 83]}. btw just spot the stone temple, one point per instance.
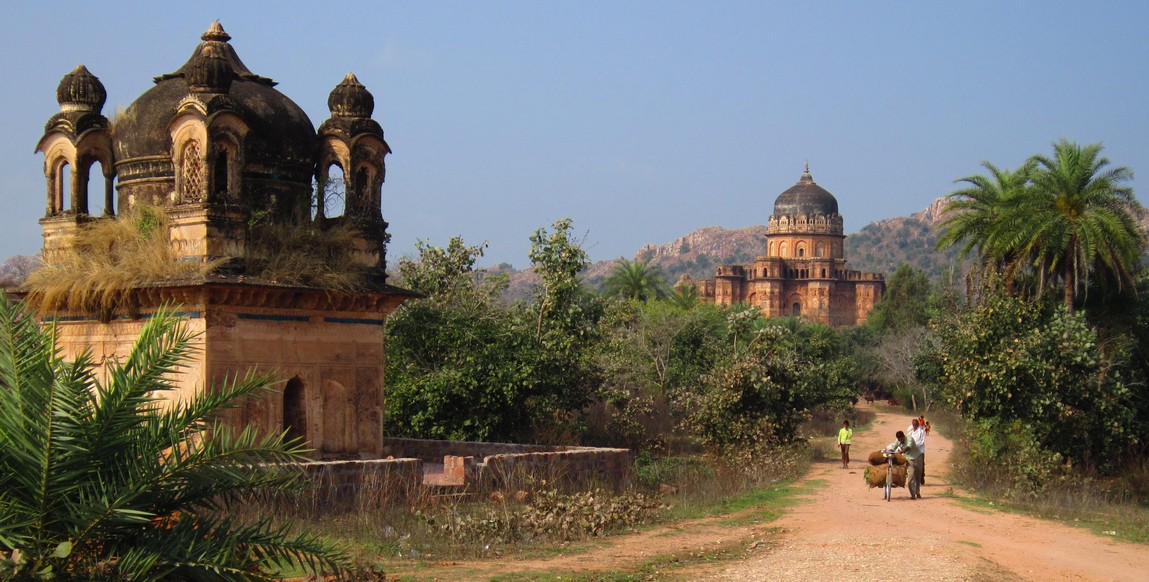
{"type": "Point", "coordinates": [803, 272]}
{"type": "Point", "coordinates": [223, 153]}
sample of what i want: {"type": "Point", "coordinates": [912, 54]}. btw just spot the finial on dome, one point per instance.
{"type": "Point", "coordinates": [351, 99]}
{"type": "Point", "coordinates": [806, 177]}
{"type": "Point", "coordinates": [80, 90]}
{"type": "Point", "coordinates": [216, 32]}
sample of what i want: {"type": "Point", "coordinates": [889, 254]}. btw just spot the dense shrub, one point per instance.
{"type": "Point", "coordinates": [1038, 369]}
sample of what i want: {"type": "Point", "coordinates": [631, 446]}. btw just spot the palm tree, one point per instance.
{"type": "Point", "coordinates": [973, 217]}
{"type": "Point", "coordinates": [636, 280]}
{"type": "Point", "coordinates": [1080, 220]}
{"type": "Point", "coordinates": [102, 477]}
{"type": "Point", "coordinates": [684, 297]}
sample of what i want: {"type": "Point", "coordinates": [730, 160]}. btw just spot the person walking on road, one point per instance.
{"type": "Point", "coordinates": [909, 448]}
{"type": "Point", "coordinates": [845, 436]}
{"type": "Point", "coordinates": [917, 432]}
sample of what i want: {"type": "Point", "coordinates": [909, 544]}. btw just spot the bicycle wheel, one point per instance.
{"type": "Point", "coordinates": [889, 480]}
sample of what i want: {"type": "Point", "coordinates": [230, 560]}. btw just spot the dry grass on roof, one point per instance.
{"type": "Point", "coordinates": [323, 258]}
{"type": "Point", "coordinates": [107, 259]}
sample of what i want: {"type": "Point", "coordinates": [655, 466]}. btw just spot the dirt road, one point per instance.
{"type": "Point", "coordinates": [846, 531]}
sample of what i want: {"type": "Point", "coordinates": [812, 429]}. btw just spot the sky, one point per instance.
{"type": "Point", "coordinates": [640, 121]}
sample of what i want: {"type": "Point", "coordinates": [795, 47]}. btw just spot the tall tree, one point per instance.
{"type": "Point", "coordinates": [974, 218]}
{"type": "Point", "coordinates": [638, 280]}
{"type": "Point", "coordinates": [1080, 220]}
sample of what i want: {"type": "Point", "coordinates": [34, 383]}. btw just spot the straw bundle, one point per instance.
{"type": "Point", "coordinates": [877, 458]}
{"type": "Point", "coordinates": [876, 476]}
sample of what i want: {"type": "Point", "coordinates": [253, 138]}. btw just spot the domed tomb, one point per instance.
{"type": "Point", "coordinates": [232, 163]}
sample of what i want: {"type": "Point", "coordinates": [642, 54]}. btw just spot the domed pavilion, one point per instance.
{"type": "Point", "coordinates": [231, 163]}
{"type": "Point", "coordinates": [803, 272]}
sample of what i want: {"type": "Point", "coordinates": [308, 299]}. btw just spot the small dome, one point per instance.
{"type": "Point", "coordinates": [804, 198]}
{"type": "Point", "coordinates": [351, 99]}
{"type": "Point", "coordinates": [80, 90]}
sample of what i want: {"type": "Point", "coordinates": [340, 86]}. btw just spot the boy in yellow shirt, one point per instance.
{"type": "Point", "coordinates": [845, 435]}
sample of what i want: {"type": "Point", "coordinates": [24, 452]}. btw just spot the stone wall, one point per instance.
{"type": "Point", "coordinates": [433, 451]}
{"type": "Point", "coordinates": [356, 485]}
{"type": "Point", "coordinates": [580, 469]}
{"type": "Point", "coordinates": [506, 466]}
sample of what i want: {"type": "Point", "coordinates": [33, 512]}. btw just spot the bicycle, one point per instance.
{"type": "Point", "coordinates": [889, 473]}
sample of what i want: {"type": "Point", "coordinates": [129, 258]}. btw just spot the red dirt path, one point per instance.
{"type": "Point", "coordinates": [846, 531]}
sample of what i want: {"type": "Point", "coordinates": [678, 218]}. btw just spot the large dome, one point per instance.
{"type": "Point", "coordinates": [805, 198]}
{"type": "Point", "coordinates": [280, 142]}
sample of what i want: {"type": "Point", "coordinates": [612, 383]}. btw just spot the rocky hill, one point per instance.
{"type": "Point", "coordinates": [879, 247]}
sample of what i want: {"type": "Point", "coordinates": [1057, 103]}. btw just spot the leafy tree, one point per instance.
{"type": "Point", "coordinates": [461, 364]}
{"type": "Point", "coordinates": [441, 272]}
{"type": "Point", "coordinates": [558, 258]}
{"type": "Point", "coordinates": [760, 395]}
{"type": "Point", "coordinates": [905, 303]}
{"type": "Point", "coordinates": [104, 479]}
{"type": "Point", "coordinates": [1080, 220]}
{"type": "Point", "coordinates": [637, 280]}
{"type": "Point", "coordinates": [464, 365]}
{"type": "Point", "coordinates": [1009, 360]}
{"type": "Point", "coordinates": [567, 316]}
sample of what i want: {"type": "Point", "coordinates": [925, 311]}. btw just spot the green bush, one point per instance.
{"type": "Point", "coordinates": [1039, 365]}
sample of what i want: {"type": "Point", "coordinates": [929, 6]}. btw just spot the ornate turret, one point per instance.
{"type": "Point", "coordinates": [80, 90]}
{"type": "Point", "coordinates": [351, 99]}
{"type": "Point", "coordinates": [74, 139]}
{"type": "Point", "coordinates": [353, 142]}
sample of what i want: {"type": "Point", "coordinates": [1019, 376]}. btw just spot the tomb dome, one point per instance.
{"type": "Point", "coordinates": [280, 140]}
{"type": "Point", "coordinates": [805, 198]}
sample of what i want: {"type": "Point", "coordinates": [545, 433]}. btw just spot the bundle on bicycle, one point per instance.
{"type": "Point", "coordinates": [875, 474]}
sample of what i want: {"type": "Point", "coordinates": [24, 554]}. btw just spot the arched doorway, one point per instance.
{"type": "Point", "coordinates": [295, 409]}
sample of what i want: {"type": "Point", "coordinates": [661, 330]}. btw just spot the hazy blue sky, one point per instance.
{"type": "Point", "coordinates": [639, 120]}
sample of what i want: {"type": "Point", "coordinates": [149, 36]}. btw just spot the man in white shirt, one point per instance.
{"type": "Point", "coordinates": [917, 432]}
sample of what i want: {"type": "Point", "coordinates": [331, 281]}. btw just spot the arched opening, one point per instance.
{"type": "Point", "coordinates": [191, 173]}
{"type": "Point", "coordinates": [771, 252]}
{"type": "Point", "coordinates": [819, 250]}
{"type": "Point", "coordinates": [63, 195]}
{"type": "Point", "coordinates": [823, 273]}
{"type": "Point", "coordinates": [784, 249]}
{"type": "Point", "coordinates": [221, 185]}
{"type": "Point", "coordinates": [295, 409]}
{"type": "Point", "coordinates": [96, 204]}
{"type": "Point", "coordinates": [796, 309]}
{"type": "Point", "coordinates": [801, 251]}
{"type": "Point", "coordinates": [332, 193]}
